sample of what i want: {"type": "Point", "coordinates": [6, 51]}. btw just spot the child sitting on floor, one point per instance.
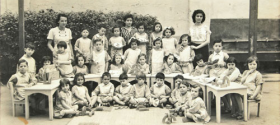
{"type": "Point", "coordinates": [122, 91]}
{"type": "Point", "coordinates": [140, 92]}
{"type": "Point", "coordinates": [195, 109]}
{"type": "Point", "coordinates": [103, 93]}
{"type": "Point", "coordinates": [159, 92]}
{"type": "Point", "coordinates": [182, 98]}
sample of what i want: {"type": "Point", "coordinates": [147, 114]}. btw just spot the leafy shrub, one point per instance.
{"type": "Point", "coordinates": [38, 24]}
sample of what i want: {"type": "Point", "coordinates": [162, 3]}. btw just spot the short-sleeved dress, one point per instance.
{"type": "Point", "coordinates": [123, 90]}
{"type": "Point", "coordinates": [199, 35]}
{"type": "Point", "coordinates": [186, 55]}
{"type": "Point", "coordinates": [78, 69]}
{"type": "Point", "coordinates": [101, 57]}
{"type": "Point", "coordinates": [82, 92]}
{"type": "Point", "coordinates": [84, 45]}
{"type": "Point", "coordinates": [132, 56]}
{"type": "Point", "coordinates": [60, 35]}
{"type": "Point", "coordinates": [67, 68]}
{"type": "Point", "coordinates": [157, 60]}
{"type": "Point", "coordinates": [143, 38]}
{"type": "Point", "coordinates": [63, 96]}
{"type": "Point", "coordinates": [118, 69]}
{"type": "Point", "coordinates": [103, 90]}
{"type": "Point", "coordinates": [252, 81]}
{"type": "Point", "coordinates": [168, 45]}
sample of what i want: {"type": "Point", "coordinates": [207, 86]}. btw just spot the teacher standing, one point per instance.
{"type": "Point", "coordinates": [200, 34]}
{"type": "Point", "coordinates": [60, 33]}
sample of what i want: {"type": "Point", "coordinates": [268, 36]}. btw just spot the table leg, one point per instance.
{"type": "Point", "coordinates": [208, 98]}
{"type": "Point", "coordinates": [50, 107]}
{"type": "Point", "coordinates": [218, 109]}
{"type": "Point", "coordinates": [26, 107]}
{"type": "Point", "coordinates": [245, 107]}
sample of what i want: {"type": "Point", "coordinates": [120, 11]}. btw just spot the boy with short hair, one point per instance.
{"type": "Point", "coordinates": [201, 66]}
{"type": "Point", "coordinates": [122, 91]}
{"type": "Point", "coordinates": [101, 35]}
{"type": "Point", "coordinates": [29, 50]}
{"type": "Point", "coordinates": [159, 91]}
{"type": "Point", "coordinates": [217, 59]}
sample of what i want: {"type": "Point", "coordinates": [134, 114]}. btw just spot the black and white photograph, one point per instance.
{"type": "Point", "coordinates": [139, 62]}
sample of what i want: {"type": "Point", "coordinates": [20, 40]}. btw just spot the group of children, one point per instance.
{"type": "Point", "coordinates": [159, 53]}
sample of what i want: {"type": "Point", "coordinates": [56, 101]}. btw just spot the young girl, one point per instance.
{"type": "Point", "coordinates": [101, 35]}
{"type": "Point", "coordinates": [156, 56]}
{"type": "Point", "coordinates": [64, 105]}
{"type": "Point", "coordinates": [186, 54]}
{"type": "Point", "coordinates": [169, 43]}
{"type": "Point", "coordinates": [80, 67]}
{"type": "Point", "coordinates": [157, 33]}
{"type": "Point", "coordinates": [176, 91]}
{"type": "Point", "coordinates": [170, 65]}
{"type": "Point", "coordinates": [100, 58]}
{"type": "Point", "coordinates": [80, 92]}
{"type": "Point", "coordinates": [116, 42]}
{"type": "Point", "coordinates": [122, 91]}
{"type": "Point", "coordinates": [83, 46]}
{"type": "Point", "coordinates": [196, 109]}
{"type": "Point", "coordinates": [142, 37]}
{"type": "Point", "coordinates": [159, 91]}
{"type": "Point", "coordinates": [103, 93]}
{"type": "Point", "coordinates": [181, 98]}
{"type": "Point", "coordinates": [46, 62]}
{"type": "Point", "coordinates": [64, 61]}
{"type": "Point", "coordinates": [131, 54]}
{"type": "Point", "coordinates": [141, 66]}
{"type": "Point", "coordinates": [201, 66]}
{"type": "Point", "coordinates": [117, 66]}
{"type": "Point", "coordinates": [140, 92]}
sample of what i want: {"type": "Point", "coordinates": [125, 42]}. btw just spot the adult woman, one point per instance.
{"type": "Point", "coordinates": [200, 34]}
{"type": "Point", "coordinates": [60, 33]}
{"type": "Point", "coordinates": [128, 31]}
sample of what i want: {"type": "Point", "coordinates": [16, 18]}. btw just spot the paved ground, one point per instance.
{"type": "Point", "coordinates": [270, 113]}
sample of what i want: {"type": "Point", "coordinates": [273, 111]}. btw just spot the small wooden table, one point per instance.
{"type": "Point", "coordinates": [220, 92]}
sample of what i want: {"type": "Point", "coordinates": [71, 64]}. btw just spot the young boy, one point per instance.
{"type": "Point", "coordinates": [201, 66]}
{"type": "Point", "coordinates": [122, 91]}
{"type": "Point", "coordinates": [159, 91]}
{"type": "Point", "coordinates": [29, 50]}
{"type": "Point", "coordinates": [103, 93]}
{"type": "Point", "coordinates": [101, 35]}
{"type": "Point", "coordinates": [140, 92]}
{"type": "Point", "coordinates": [84, 46]}
{"type": "Point", "coordinates": [64, 60]}
{"type": "Point", "coordinates": [99, 58]}
{"type": "Point", "coordinates": [217, 59]}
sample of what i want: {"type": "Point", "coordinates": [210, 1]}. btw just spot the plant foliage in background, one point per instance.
{"type": "Point", "coordinates": [38, 24]}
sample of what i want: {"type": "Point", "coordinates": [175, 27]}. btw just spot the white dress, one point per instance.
{"type": "Point", "coordinates": [132, 56]}
{"type": "Point", "coordinates": [168, 45]}
{"type": "Point", "coordinates": [157, 60]}
{"type": "Point", "coordinates": [99, 57]}
{"type": "Point", "coordinates": [67, 68]}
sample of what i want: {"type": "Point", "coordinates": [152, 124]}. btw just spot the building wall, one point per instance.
{"type": "Point", "coordinates": [176, 13]}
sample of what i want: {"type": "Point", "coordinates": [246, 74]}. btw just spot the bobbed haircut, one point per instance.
{"type": "Point", "coordinates": [46, 58]}
{"type": "Point", "coordinates": [197, 12]}
{"type": "Point", "coordinates": [62, 44]}
{"type": "Point", "coordinates": [157, 39]}
{"type": "Point", "coordinates": [170, 54]}
{"type": "Point", "coordinates": [154, 28]}
{"type": "Point", "coordinates": [168, 28]}
{"type": "Point", "coordinates": [134, 40]}
{"type": "Point", "coordinates": [140, 24]}
{"type": "Point", "coordinates": [160, 75]}
{"type": "Point", "coordinates": [115, 28]}
{"type": "Point", "coordinates": [79, 57]}
{"type": "Point", "coordinates": [123, 76]}
{"type": "Point", "coordinates": [252, 59]}
{"type": "Point", "coordinates": [178, 77]}
{"type": "Point", "coordinates": [59, 16]}
{"type": "Point", "coordinates": [30, 46]}
{"type": "Point", "coordinates": [183, 36]}
{"type": "Point", "coordinates": [77, 76]}
{"type": "Point", "coordinates": [140, 55]}
{"type": "Point", "coordinates": [63, 82]}
{"type": "Point", "coordinates": [114, 59]}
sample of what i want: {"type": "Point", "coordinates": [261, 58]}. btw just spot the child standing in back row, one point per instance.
{"type": "Point", "coordinates": [116, 42]}
{"type": "Point", "coordinates": [83, 46]}
{"type": "Point", "coordinates": [186, 54]}
{"type": "Point", "coordinates": [29, 50]}
{"type": "Point", "coordinates": [169, 43]}
{"type": "Point", "coordinates": [156, 56]}
{"type": "Point", "coordinates": [142, 37]}
{"type": "Point", "coordinates": [101, 35]}
{"type": "Point", "coordinates": [157, 33]}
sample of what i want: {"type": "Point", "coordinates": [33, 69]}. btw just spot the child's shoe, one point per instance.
{"type": "Point", "coordinates": [69, 116]}
{"type": "Point", "coordinates": [91, 113]}
{"type": "Point", "coordinates": [83, 112]}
